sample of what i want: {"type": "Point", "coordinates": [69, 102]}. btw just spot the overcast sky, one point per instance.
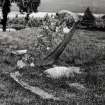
{"type": "Point", "coordinates": [97, 6]}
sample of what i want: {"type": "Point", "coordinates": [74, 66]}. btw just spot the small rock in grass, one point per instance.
{"type": "Point", "coordinates": [20, 64]}
{"type": "Point", "coordinates": [32, 64]}
{"type": "Point", "coordinates": [66, 30]}
{"type": "Point", "coordinates": [19, 52]}
{"type": "Point", "coordinates": [48, 48]}
{"type": "Point", "coordinates": [77, 86]}
{"type": "Point", "coordinates": [17, 73]}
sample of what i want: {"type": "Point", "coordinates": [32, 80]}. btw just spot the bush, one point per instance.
{"type": "Point", "coordinates": [99, 23]}
{"type": "Point", "coordinates": [34, 22]}
{"type": "Point", "coordinates": [88, 19]}
{"type": "Point", "coordinates": [63, 20]}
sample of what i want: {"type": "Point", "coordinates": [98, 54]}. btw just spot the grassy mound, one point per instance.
{"type": "Point", "coordinates": [86, 49]}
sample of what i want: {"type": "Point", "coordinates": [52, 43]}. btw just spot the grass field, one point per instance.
{"type": "Point", "coordinates": [87, 50]}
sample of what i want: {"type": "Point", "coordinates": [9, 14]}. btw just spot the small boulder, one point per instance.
{"type": "Point", "coordinates": [66, 30]}
{"type": "Point", "coordinates": [32, 64]}
{"type": "Point", "coordinates": [21, 64]}
{"type": "Point", "coordinates": [77, 86]}
{"type": "Point", "coordinates": [60, 72]}
{"type": "Point", "coordinates": [19, 52]}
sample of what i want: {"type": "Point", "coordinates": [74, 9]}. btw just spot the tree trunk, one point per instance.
{"type": "Point", "coordinates": [5, 10]}
{"type": "Point", "coordinates": [27, 17]}
{"type": "Point", "coordinates": [4, 22]}
{"type": "Point", "coordinates": [53, 56]}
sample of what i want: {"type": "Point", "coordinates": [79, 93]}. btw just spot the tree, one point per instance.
{"type": "Point", "coordinates": [28, 6]}
{"type": "Point", "coordinates": [5, 10]}
{"type": "Point", "coordinates": [88, 18]}
{"type": "Point", "coordinates": [1, 1]}
{"type": "Point", "coordinates": [54, 55]}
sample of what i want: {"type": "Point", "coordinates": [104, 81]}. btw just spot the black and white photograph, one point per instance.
{"type": "Point", "coordinates": [52, 52]}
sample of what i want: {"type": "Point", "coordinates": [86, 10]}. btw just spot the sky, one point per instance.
{"type": "Point", "coordinates": [97, 6]}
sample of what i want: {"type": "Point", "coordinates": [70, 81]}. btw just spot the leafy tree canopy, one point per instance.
{"type": "Point", "coordinates": [25, 5]}
{"type": "Point", "coordinates": [28, 5]}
